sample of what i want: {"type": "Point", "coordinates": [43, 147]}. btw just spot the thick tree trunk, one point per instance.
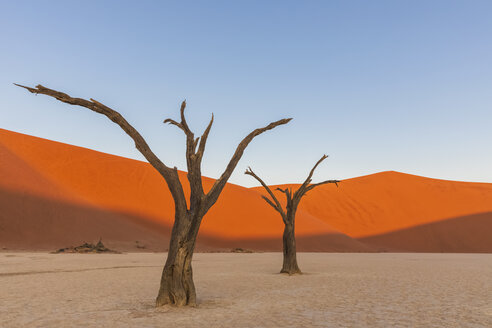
{"type": "Point", "coordinates": [290, 257]}
{"type": "Point", "coordinates": [177, 287]}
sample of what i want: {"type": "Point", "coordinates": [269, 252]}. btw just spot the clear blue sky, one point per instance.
{"type": "Point", "coordinates": [377, 85]}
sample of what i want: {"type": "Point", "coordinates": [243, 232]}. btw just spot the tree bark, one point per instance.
{"type": "Point", "coordinates": [290, 256]}
{"type": "Point", "coordinates": [177, 287]}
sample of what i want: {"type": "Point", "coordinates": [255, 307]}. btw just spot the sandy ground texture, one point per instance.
{"type": "Point", "coordinates": [245, 290]}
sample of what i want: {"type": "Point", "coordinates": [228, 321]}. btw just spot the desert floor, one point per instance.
{"type": "Point", "coordinates": [245, 290]}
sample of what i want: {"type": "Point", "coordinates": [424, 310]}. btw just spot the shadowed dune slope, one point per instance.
{"type": "Point", "coordinates": [56, 195]}
{"type": "Point", "coordinates": [469, 233]}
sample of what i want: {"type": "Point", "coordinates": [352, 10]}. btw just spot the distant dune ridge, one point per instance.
{"type": "Point", "coordinates": [54, 195]}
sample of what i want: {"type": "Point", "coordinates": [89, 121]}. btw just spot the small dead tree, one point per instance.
{"type": "Point", "coordinates": [289, 214]}
{"type": "Point", "coordinates": [176, 287]}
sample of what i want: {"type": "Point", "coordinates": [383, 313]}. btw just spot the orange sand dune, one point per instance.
{"type": "Point", "coordinates": [54, 194]}
{"type": "Point", "coordinates": [58, 185]}
{"type": "Point", "coordinates": [415, 211]}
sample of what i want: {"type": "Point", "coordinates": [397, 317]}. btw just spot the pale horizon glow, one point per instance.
{"type": "Point", "coordinates": [377, 86]}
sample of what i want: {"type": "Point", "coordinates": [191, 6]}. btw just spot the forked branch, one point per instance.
{"type": "Point", "coordinates": [314, 185]}
{"type": "Point", "coordinates": [288, 196]}
{"type": "Point", "coordinates": [191, 141]}
{"type": "Point", "coordinates": [304, 187]}
{"type": "Point", "coordinates": [182, 125]}
{"type": "Point", "coordinates": [309, 178]}
{"type": "Point", "coordinates": [274, 201]}
{"type": "Point", "coordinates": [193, 156]}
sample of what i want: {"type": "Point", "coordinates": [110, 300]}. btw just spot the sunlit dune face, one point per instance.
{"type": "Point", "coordinates": [121, 184]}
{"type": "Point", "coordinates": [361, 207]}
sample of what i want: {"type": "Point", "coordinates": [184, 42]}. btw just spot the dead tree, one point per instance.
{"type": "Point", "coordinates": [176, 285]}
{"type": "Point", "coordinates": [289, 214]}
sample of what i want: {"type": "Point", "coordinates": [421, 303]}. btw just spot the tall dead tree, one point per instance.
{"type": "Point", "coordinates": [289, 214]}
{"type": "Point", "coordinates": [177, 285]}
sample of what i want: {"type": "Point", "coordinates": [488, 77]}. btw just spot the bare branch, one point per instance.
{"type": "Point", "coordinates": [220, 183]}
{"type": "Point", "coordinates": [182, 125]}
{"type": "Point", "coordinates": [277, 205]}
{"type": "Point", "coordinates": [32, 90]}
{"type": "Point", "coordinates": [302, 189]}
{"type": "Point", "coordinates": [183, 119]}
{"type": "Point", "coordinates": [285, 191]}
{"type": "Point", "coordinates": [269, 202]}
{"type": "Point", "coordinates": [195, 143]}
{"type": "Point", "coordinates": [170, 175]}
{"type": "Point", "coordinates": [192, 161]}
{"type": "Point", "coordinates": [203, 139]}
{"type": "Point", "coordinates": [288, 196]}
{"type": "Point", "coordinates": [310, 187]}
{"type": "Point", "coordinates": [308, 179]}
{"type": "Point", "coordinates": [173, 122]}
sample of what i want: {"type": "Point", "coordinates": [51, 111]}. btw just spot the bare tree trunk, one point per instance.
{"type": "Point", "coordinates": [289, 245]}
{"type": "Point", "coordinates": [177, 287]}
